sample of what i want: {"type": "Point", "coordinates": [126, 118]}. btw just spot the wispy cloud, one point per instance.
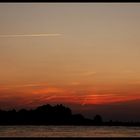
{"type": "Point", "coordinates": [75, 83]}
{"type": "Point", "coordinates": [31, 35]}
{"type": "Point", "coordinates": [89, 73]}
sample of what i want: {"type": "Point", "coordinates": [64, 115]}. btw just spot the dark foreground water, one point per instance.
{"type": "Point", "coordinates": [69, 131]}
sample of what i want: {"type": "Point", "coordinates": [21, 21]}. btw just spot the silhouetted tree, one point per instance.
{"type": "Point", "coordinates": [78, 119]}
{"type": "Point", "coordinates": [97, 119]}
{"type": "Point", "coordinates": [53, 115]}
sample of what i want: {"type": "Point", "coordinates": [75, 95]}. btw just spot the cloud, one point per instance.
{"type": "Point", "coordinates": [107, 98]}
{"type": "Point", "coordinates": [31, 35]}
{"type": "Point", "coordinates": [90, 73]}
{"type": "Point", "coordinates": [75, 83]}
{"type": "Point", "coordinates": [47, 90]}
{"type": "Point", "coordinates": [23, 85]}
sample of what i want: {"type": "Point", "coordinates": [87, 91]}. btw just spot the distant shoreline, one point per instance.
{"type": "Point", "coordinates": [69, 138]}
{"type": "Point", "coordinates": [22, 138]}
{"type": "Point", "coordinates": [55, 115]}
{"type": "Point", "coordinates": [67, 125]}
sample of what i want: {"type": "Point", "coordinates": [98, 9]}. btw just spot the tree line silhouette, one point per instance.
{"type": "Point", "coordinates": [53, 115]}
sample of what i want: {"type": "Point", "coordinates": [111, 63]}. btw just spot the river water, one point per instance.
{"type": "Point", "coordinates": [69, 131]}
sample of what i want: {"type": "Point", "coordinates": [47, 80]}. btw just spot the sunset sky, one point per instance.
{"type": "Point", "coordinates": [85, 55]}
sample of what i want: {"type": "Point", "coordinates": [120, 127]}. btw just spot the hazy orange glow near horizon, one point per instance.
{"type": "Point", "coordinates": [76, 53]}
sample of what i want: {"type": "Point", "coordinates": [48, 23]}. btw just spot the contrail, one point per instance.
{"type": "Point", "coordinates": [32, 35]}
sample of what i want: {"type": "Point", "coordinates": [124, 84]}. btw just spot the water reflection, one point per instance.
{"type": "Point", "coordinates": [69, 131]}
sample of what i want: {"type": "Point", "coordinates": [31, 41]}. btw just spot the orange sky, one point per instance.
{"type": "Point", "coordinates": [85, 54]}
